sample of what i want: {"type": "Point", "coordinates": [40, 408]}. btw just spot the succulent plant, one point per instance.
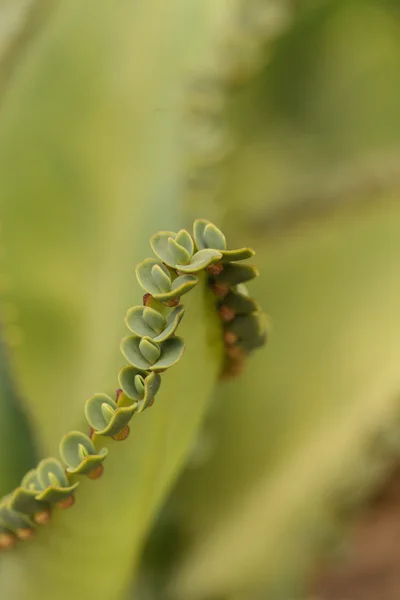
{"type": "Point", "coordinates": [140, 386]}
{"type": "Point", "coordinates": [160, 112]}
{"type": "Point", "coordinates": [161, 282]}
{"type": "Point", "coordinates": [79, 453]}
{"type": "Point", "coordinates": [147, 355]}
{"type": "Point", "coordinates": [51, 483]}
{"type": "Point", "coordinates": [177, 251]}
{"type": "Point", "coordinates": [206, 235]}
{"type": "Point", "coordinates": [105, 416]}
{"type": "Point", "coordinates": [145, 321]}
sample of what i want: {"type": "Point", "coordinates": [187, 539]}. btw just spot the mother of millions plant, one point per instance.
{"type": "Point", "coordinates": [118, 118]}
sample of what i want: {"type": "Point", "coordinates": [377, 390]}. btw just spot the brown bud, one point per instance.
{"type": "Point", "coordinates": [227, 314]}
{"type": "Point", "coordinates": [118, 394]}
{"type": "Point", "coordinates": [43, 517]}
{"type": "Point", "coordinates": [235, 352]}
{"type": "Point", "coordinates": [25, 534]}
{"type": "Point", "coordinates": [220, 289]}
{"type": "Point", "coordinates": [232, 368]}
{"type": "Point", "coordinates": [215, 269]}
{"type": "Point", "coordinates": [7, 540]}
{"type": "Point", "coordinates": [96, 473]}
{"type": "Point", "coordinates": [146, 299]}
{"type": "Point", "coordinates": [122, 435]}
{"type": "Point", "coordinates": [171, 303]}
{"type": "Point", "coordinates": [67, 502]}
{"type": "Point", "coordinates": [91, 432]}
{"type": "Point", "coordinates": [230, 338]}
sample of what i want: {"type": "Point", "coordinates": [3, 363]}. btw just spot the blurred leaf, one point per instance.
{"type": "Point", "coordinates": [288, 433]}
{"type": "Point", "coordinates": [17, 448]}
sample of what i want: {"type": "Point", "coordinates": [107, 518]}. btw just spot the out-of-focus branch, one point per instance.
{"type": "Point", "coordinates": [351, 189]}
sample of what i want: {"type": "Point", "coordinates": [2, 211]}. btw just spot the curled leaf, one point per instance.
{"type": "Point", "coordinates": [207, 235]}
{"type": "Point", "coordinates": [170, 351]}
{"type": "Point", "coordinates": [234, 273]}
{"type": "Point", "coordinates": [144, 321]}
{"type": "Point", "coordinates": [161, 282]}
{"type": "Point", "coordinates": [139, 385]}
{"type": "Point", "coordinates": [105, 416]}
{"type": "Point", "coordinates": [79, 453]}
{"type": "Point", "coordinates": [52, 481]}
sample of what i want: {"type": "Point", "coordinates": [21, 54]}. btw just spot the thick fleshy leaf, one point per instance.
{"type": "Point", "coordinates": [178, 286]}
{"type": "Point", "coordinates": [24, 501]}
{"type": "Point", "coordinates": [108, 424]}
{"type": "Point", "coordinates": [183, 238]}
{"type": "Point", "coordinates": [242, 305]}
{"type": "Point", "coordinates": [79, 453]}
{"type": "Point", "coordinates": [147, 322]}
{"type": "Point", "coordinates": [240, 254]}
{"type": "Point", "coordinates": [233, 274]}
{"type": "Point", "coordinates": [150, 350]}
{"type": "Point", "coordinates": [178, 253]}
{"type": "Point", "coordinates": [207, 235]}
{"type": "Point", "coordinates": [139, 385]}
{"type": "Point", "coordinates": [53, 481]}
{"type": "Point", "coordinates": [170, 352]}
{"type": "Point", "coordinates": [145, 277]}
{"type": "Point", "coordinates": [166, 246]}
{"type": "Point", "coordinates": [200, 260]}
{"type": "Point", "coordinates": [248, 327]}
{"type": "Point", "coordinates": [13, 520]}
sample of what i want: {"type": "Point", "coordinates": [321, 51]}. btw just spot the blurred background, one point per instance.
{"type": "Point", "coordinates": [279, 121]}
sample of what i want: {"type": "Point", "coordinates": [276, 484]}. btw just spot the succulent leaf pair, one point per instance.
{"type": "Point", "coordinates": [177, 250]}
{"type": "Point", "coordinates": [140, 386]}
{"type": "Point", "coordinates": [79, 453]}
{"type": "Point", "coordinates": [106, 417]}
{"type": "Point", "coordinates": [206, 236]}
{"type": "Point", "coordinates": [47, 484]}
{"type": "Point", "coordinates": [162, 282]}
{"type": "Point", "coordinates": [147, 355]}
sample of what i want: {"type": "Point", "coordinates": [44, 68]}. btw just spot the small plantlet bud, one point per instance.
{"type": "Point", "coordinates": [42, 518]}
{"type": "Point", "coordinates": [91, 432]}
{"type": "Point", "coordinates": [215, 269]}
{"type": "Point", "coordinates": [122, 435]}
{"type": "Point", "coordinates": [230, 338]}
{"type": "Point", "coordinates": [227, 314]}
{"type": "Point", "coordinates": [118, 394]}
{"type": "Point", "coordinates": [235, 352]}
{"type": "Point", "coordinates": [25, 534]}
{"type": "Point", "coordinates": [146, 299]}
{"type": "Point", "coordinates": [7, 540]}
{"type": "Point", "coordinates": [67, 502]}
{"type": "Point", "coordinates": [172, 303]}
{"type": "Point", "coordinates": [233, 368]}
{"type": "Point", "coordinates": [96, 473]}
{"type": "Point", "coordinates": [220, 289]}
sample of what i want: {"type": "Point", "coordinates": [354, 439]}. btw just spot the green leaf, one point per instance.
{"type": "Point", "coordinates": [139, 385]}
{"type": "Point", "coordinates": [106, 417]}
{"type": "Point", "coordinates": [200, 260]}
{"type": "Point", "coordinates": [145, 321]}
{"type": "Point", "coordinates": [315, 399]}
{"type": "Point", "coordinates": [79, 453]}
{"type": "Point", "coordinates": [169, 250]}
{"type": "Point", "coordinates": [17, 448]}
{"type": "Point", "coordinates": [54, 484]}
{"type": "Point", "coordinates": [168, 352]}
{"type": "Point", "coordinates": [233, 274]}
{"type": "Point", "coordinates": [149, 282]}
{"type": "Point", "coordinates": [138, 474]}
